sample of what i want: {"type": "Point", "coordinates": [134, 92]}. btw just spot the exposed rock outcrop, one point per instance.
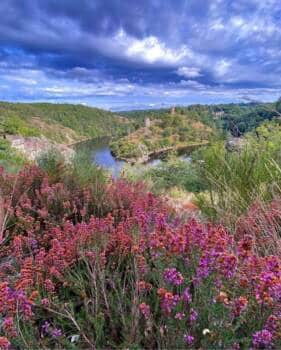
{"type": "Point", "coordinates": [32, 147]}
{"type": "Point", "coordinates": [235, 144]}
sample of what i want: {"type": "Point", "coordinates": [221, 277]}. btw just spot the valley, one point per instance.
{"type": "Point", "coordinates": [191, 204]}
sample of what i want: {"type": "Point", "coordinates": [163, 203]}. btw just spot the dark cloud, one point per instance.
{"type": "Point", "coordinates": [172, 49]}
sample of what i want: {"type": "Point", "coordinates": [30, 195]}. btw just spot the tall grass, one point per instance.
{"type": "Point", "coordinates": [237, 179]}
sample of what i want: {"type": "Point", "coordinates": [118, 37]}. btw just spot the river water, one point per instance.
{"type": "Point", "coordinates": [99, 152]}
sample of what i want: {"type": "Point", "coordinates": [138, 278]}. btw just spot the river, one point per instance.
{"type": "Point", "coordinates": [99, 152]}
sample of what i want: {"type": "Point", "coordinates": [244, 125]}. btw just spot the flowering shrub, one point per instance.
{"type": "Point", "coordinates": [124, 271]}
{"type": "Point", "coordinates": [263, 223]}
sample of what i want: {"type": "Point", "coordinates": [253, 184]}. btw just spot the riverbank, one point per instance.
{"type": "Point", "coordinates": [161, 152]}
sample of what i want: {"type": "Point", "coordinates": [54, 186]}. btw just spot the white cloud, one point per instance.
{"type": "Point", "coordinates": [189, 72]}
{"type": "Point", "coordinates": [222, 67]}
{"type": "Point", "coordinates": [217, 25]}
{"type": "Point", "coordinates": [149, 50]}
{"type": "Point", "coordinates": [193, 84]}
{"type": "Point", "coordinates": [237, 22]}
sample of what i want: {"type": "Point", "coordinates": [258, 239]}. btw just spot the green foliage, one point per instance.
{"type": "Point", "coordinates": [172, 173]}
{"type": "Point", "coordinates": [125, 149]}
{"type": "Point", "coordinates": [9, 158]}
{"type": "Point", "coordinates": [63, 123]}
{"type": "Point", "coordinates": [12, 124]}
{"type": "Point", "coordinates": [86, 172]}
{"type": "Point", "coordinates": [236, 179]}
{"type": "Point", "coordinates": [242, 118]}
{"type": "Point", "coordinates": [173, 131]}
{"type": "Point", "coordinates": [236, 118]}
{"type": "Point", "coordinates": [52, 162]}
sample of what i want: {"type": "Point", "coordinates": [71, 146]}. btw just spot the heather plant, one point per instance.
{"type": "Point", "coordinates": [132, 275]}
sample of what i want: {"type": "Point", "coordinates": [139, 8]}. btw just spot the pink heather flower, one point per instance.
{"type": "Point", "coordinates": [228, 264]}
{"type": "Point", "coordinates": [262, 339]}
{"type": "Point", "coordinates": [275, 292]}
{"type": "Point", "coordinates": [240, 305]}
{"type": "Point", "coordinates": [272, 323]}
{"type": "Point", "coordinates": [46, 327]}
{"type": "Point", "coordinates": [145, 310]}
{"type": "Point", "coordinates": [180, 316]}
{"type": "Point", "coordinates": [169, 301]}
{"type": "Point", "coordinates": [4, 343]}
{"type": "Point", "coordinates": [49, 285]}
{"type": "Point", "coordinates": [45, 302]}
{"type": "Point", "coordinates": [186, 296]}
{"type": "Point", "coordinates": [193, 316]}
{"type": "Point", "coordinates": [8, 327]}
{"type": "Point", "coordinates": [218, 283]}
{"type": "Point", "coordinates": [189, 339]}
{"type": "Point", "coordinates": [171, 275]}
{"type": "Point", "coordinates": [56, 332]}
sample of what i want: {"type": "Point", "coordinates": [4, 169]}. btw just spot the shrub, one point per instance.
{"type": "Point", "coordinates": [10, 158]}
{"type": "Point", "coordinates": [236, 179]}
{"type": "Point", "coordinates": [129, 276]}
{"type": "Point", "coordinates": [168, 174]}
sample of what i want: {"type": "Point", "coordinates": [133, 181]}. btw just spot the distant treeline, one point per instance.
{"type": "Point", "coordinates": [60, 122]}
{"type": "Point", "coordinates": [236, 118]}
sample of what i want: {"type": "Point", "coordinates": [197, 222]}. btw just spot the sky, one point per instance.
{"type": "Point", "coordinates": [134, 54]}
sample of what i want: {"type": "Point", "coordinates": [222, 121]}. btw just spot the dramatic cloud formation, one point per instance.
{"type": "Point", "coordinates": [133, 54]}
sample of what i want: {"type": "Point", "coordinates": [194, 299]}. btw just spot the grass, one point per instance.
{"type": "Point", "coordinates": [10, 159]}
{"type": "Point", "coordinates": [234, 180]}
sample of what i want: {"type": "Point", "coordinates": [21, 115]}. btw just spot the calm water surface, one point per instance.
{"type": "Point", "coordinates": [99, 152]}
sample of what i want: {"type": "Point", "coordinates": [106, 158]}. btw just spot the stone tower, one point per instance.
{"type": "Point", "coordinates": [147, 122]}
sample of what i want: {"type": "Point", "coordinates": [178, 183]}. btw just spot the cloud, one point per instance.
{"type": "Point", "coordinates": [189, 72]}
{"type": "Point", "coordinates": [151, 50]}
{"type": "Point", "coordinates": [222, 67]}
{"type": "Point", "coordinates": [130, 50]}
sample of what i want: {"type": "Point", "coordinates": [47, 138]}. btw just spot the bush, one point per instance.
{"type": "Point", "coordinates": [168, 174]}
{"type": "Point", "coordinates": [53, 163]}
{"type": "Point", "coordinates": [10, 159]}
{"type": "Point", "coordinates": [132, 276]}
{"type": "Point", "coordinates": [236, 179]}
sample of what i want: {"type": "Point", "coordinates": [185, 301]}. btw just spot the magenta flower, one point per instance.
{"type": "Point", "coordinates": [180, 316]}
{"type": "Point", "coordinates": [168, 302]}
{"type": "Point", "coordinates": [56, 332]}
{"type": "Point", "coordinates": [193, 316]}
{"type": "Point", "coordinates": [186, 296]}
{"type": "Point", "coordinates": [189, 339]}
{"type": "Point", "coordinates": [145, 310]}
{"type": "Point", "coordinates": [45, 327]}
{"type": "Point", "coordinates": [262, 339]}
{"type": "Point", "coordinates": [171, 275]}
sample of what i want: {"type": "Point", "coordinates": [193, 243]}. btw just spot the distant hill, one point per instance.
{"type": "Point", "coordinates": [236, 118]}
{"type": "Point", "coordinates": [164, 132]}
{"type": "Point", "coordinates": [62, 123]}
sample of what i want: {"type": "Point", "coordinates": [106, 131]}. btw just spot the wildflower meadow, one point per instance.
{"type": "Point", "coordinates": [119, 268]}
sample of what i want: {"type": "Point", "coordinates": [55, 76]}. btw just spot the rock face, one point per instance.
{"type": "Point", "coordinates": [235, 144]}
{"type": "Point", "coordinates": [32, 147]}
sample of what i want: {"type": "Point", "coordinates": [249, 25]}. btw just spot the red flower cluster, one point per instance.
{"type": "Point", "coordinates": [52, 228]}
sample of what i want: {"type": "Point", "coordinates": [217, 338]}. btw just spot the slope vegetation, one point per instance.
{"type": "Point", "coordinates": [63, 123]}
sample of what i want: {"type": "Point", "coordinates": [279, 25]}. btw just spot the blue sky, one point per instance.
{"type": "Point", "coordinates": [127, 54]}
